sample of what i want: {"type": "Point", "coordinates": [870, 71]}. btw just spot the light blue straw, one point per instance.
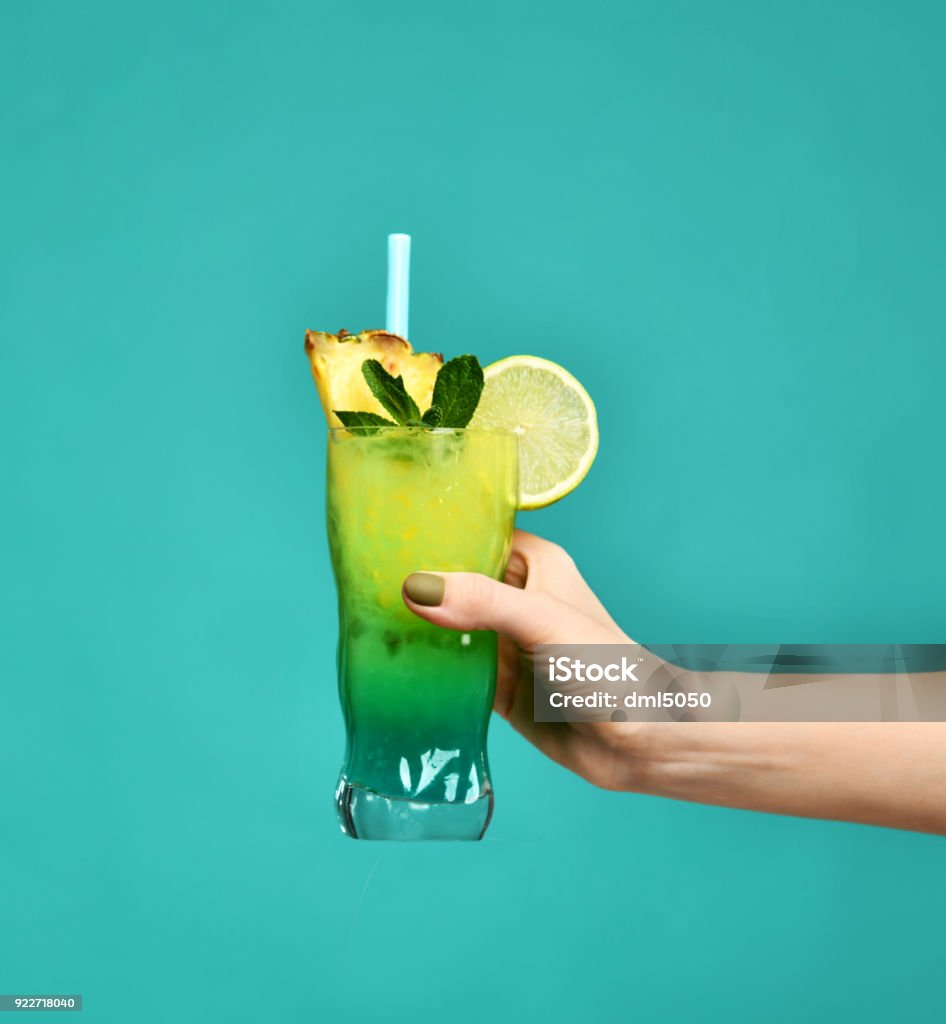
{"type": "Point", "coordinates": [399, 283]}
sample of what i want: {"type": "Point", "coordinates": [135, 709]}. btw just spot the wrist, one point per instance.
{"type": "Point", "coordinates": [708, 762]}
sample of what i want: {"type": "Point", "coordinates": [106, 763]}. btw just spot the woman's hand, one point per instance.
{"type": "Point", "coordinates": [544, 600]}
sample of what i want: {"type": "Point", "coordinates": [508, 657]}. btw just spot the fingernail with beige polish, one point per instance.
{"type": "Point", "coordinates": [425, 588]}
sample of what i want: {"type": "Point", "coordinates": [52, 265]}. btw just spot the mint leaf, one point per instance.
{"type": "Point", "coordinates": [368, 420]}
{"type": "Point", "coordinates": [390, 392]}
{"type": "Point", "coordinates": [432, 417]}
{"type": "Point", "coordinates": [457, 390]}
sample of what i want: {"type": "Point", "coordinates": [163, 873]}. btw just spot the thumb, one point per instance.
{"type": "Point", "coordinates": [467, 600]}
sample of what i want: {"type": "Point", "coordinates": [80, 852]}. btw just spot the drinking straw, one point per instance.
{"type": "Point", "coordinates": [399, 283]}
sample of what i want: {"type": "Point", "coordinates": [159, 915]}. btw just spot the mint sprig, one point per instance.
{"type": "Point", "coordinates": [363, 419]}
{"type": "Point", "coordinates": [390, 392]}
{"type": "Point", "coordinates": [457, 392]}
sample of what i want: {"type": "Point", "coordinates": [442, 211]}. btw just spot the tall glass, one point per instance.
{"type": "Point", "coordinates": [416, 697]}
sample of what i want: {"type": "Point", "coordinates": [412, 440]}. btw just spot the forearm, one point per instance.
{"type": "Point", "coordinates": [883, 773]}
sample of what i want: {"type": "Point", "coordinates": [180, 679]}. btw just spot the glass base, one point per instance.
{"type": "Point", "coordinates": [364, 814]}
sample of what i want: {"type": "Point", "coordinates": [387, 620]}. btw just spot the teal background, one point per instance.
{"type": "Point", "coordinates": [726, 219]}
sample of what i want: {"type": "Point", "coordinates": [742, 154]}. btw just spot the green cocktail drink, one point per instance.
{"type": "Point", "coordinates": [416, 697]}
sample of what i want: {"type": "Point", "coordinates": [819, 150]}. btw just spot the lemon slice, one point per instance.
{"type": "Point", "coordinates": [554, 418]}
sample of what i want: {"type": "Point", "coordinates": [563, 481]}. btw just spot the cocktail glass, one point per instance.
{"type": "Point", "coordinates": [416, 697]}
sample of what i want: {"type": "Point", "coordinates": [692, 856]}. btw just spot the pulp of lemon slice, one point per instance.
{"type": "Point", "coordinates": [554, 418]}
{"type": "Point", "coordinates": [336, 368]}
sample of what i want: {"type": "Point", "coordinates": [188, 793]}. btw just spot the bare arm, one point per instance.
{"type": "Point", "coordinates": [876, 773]}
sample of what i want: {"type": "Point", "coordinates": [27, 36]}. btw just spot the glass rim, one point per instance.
{"type": "Point", "coordinates": [397, 429]}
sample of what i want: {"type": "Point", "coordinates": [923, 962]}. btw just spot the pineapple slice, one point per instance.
{"type": "Point", "coordinates": [336, 366]}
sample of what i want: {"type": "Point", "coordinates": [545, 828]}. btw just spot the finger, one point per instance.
{"type": "Point", "coordinates": [526, 551]}
{"type": "Point", "coordinates": [517, 570]}
{"type": "Point", "coordinates": [466, 600]}
{"type": "Point", "coordinates": [537, 563]}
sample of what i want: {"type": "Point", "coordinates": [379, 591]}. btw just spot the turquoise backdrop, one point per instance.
{"type": "Point", "coordinates": [726, 219]}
